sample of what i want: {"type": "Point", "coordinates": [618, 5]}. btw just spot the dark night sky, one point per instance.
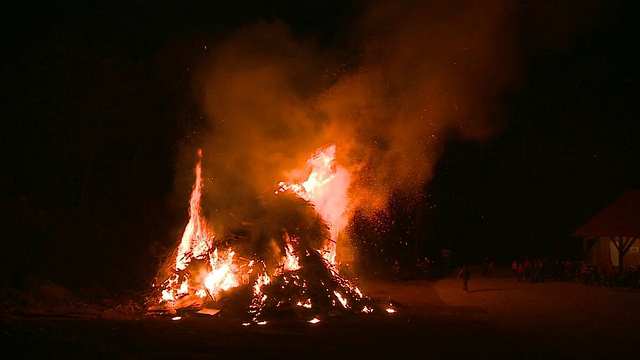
{"type": "Point", "coordinates": [97, 105]}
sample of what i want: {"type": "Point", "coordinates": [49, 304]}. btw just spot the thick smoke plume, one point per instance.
{"type": "Point", "coordinates": [416, 75]}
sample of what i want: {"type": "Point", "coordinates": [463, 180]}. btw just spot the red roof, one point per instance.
{"type": "Point", "coordinates": [620, 218]}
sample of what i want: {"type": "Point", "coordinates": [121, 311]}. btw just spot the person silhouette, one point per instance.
{"type": "Point", "coordinates": [465, 275]}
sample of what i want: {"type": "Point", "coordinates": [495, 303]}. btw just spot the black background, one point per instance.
{"type": "Point", "coordinates": [97, 104]}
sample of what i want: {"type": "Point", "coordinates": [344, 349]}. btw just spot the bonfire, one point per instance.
{"type": "Point", "coordinates": [265, 270]}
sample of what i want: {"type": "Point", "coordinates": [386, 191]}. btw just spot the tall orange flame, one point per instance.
{"type": "Point", "coordinates": [326, 188]}
{"type": "Point", "coordinates": [197, 238]}
{"type": "Point", "coordinates": [198, 243]}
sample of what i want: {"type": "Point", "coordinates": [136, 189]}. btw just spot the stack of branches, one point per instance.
{"type": "Point", "coordinates": [315, 288]}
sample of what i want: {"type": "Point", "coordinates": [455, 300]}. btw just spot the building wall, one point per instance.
{"type": "Point", "coordinates": [602, 251]}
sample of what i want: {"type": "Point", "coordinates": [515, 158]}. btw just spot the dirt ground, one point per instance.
{"type": "Point", "coordinates": [498, 319]}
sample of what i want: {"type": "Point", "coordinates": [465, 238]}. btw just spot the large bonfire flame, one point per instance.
{"type": "Point", "coordinates": [326, 188]}
{"type": "Point", "coordinates": [210, 273]}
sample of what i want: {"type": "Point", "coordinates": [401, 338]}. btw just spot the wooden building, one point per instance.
{"type": "Point", "coordinates": [611, 236]}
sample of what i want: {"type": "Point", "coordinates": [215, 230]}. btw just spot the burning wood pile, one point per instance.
{"type": "Point", "coordinates": [262, 271]}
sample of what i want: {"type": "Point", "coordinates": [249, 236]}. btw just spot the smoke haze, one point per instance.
{"type": "Point", "coordinates": [418, 74]}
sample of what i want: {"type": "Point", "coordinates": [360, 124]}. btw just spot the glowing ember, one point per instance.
{"type": "Point", "coordinates": [367, 310]}
{"type": "Point", "coordinates": [306, 304]}
{"type": "Point", "coordinates": [342, 300]}
{"type": "Point", "coordinates": [314, 321]}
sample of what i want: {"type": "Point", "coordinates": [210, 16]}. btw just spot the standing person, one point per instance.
{"type": "Point", "coordinates": [485, 266]}
{"type": "Point", "coordinates": [527, 270]}
{"type": "Point", "coordinates": [514, 267]}
{"type": "Point", "coordinates": [427, 268]}
{"type": "Point", "coordinates": [465, 275]}
{"type": "Point", "coordinates": [520, 272]}
{"type": "Point", "coordinates": [396, 270]}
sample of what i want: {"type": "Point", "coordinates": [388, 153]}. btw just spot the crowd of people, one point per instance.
{"type": "Point", "coordinates": [423, 269]}
{"type": "Point", "coordinates": [541, 270]}
{"type": "Point", "coordinates": [536, 270]}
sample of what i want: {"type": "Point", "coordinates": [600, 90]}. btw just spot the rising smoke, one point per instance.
{"type": "Point", "coordinates": [416, 75]}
